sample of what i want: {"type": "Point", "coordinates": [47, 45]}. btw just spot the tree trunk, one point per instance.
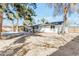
{"type": "Point", "coordinates": [13, 30]}
{"type": "Point", "coordinates": [1, 18]}
{"type": "Point", "coordinates": [64, 24]}
{"type": "Point", "coordinates": [17, 28]}
{"type": "Point", "coordinates": [33, 30]}
{"type": "Point", "coordinates": [65, 20]}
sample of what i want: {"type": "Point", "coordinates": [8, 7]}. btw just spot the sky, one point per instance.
{"type": "Point", "coordinates": [43, 11]}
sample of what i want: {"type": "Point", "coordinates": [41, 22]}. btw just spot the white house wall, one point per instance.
{"type": "Point", "coordinates": [49, 30]}
{"type": "Point", "coordinates": [53, 30]}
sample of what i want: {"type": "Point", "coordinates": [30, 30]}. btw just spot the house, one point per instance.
{"type": "Point", "coordinates": [53, 27]}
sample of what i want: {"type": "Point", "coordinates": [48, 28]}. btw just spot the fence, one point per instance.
{"type": "Point", "coordinates": [74, 29]}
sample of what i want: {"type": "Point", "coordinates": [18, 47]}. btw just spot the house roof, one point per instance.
{"type": "Point", "coordinates": [57, 23]}
{"type": "Point", "coordinates": [46, 24]}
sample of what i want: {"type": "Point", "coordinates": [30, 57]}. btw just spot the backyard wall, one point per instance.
{"type": "Point", "coordinates": [73, 30]}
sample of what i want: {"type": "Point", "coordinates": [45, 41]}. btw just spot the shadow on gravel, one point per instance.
{"type": "Point", "coordinates": [10, 51]}
{"type": "Point", "coordinates": [20, 40]}
{"type": "Point", "coordinates": [38, 35]}
{"type": "Point", "coordinates": [70, 49]}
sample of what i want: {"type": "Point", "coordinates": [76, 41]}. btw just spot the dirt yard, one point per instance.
{"type": "Point", "coordinates": [38, 44]}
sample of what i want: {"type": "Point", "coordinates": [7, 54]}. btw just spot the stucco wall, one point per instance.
{"type": "Point", "coordinates": [73, 30]}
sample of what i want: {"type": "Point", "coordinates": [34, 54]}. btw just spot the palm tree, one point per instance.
{"type": "Point", "coordinates": [17, 18]}
{"type": "Point", "coordinates": [25, 12]}
{"type": "Point", "coordinates": [2, 10]}
{"type": "Point", "coordinates": [64, 8]}
{"type": "Point", "coordinates": [10, 16]}
{"type": "Point", "coordinates": [1, 17]}
{"type": "Point", "coordinates": [21, 10]}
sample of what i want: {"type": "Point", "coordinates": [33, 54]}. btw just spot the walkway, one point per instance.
{"type": "Point", "coordinates": [70, 49]}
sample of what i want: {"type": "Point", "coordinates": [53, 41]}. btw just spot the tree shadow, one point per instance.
{"type": "Point", "coordinates": [7, 37]}
{"type": "Point", "coordinates": [13, 35]}
{"type": "Point", "coordinates": [10, 51]}
{"type": "Point", "coordinates": [20, 40]}
{"type": "Point", "coordinates": [70, 49]}
{"type": "Point", "coordinates": [38, 35]}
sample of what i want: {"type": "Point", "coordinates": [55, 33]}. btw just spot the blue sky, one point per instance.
{"type": "Point", "coordinates": [43, 11]}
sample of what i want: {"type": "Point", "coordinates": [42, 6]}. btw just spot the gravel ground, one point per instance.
{"type": "Point", "coordinates": [39, 44]}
